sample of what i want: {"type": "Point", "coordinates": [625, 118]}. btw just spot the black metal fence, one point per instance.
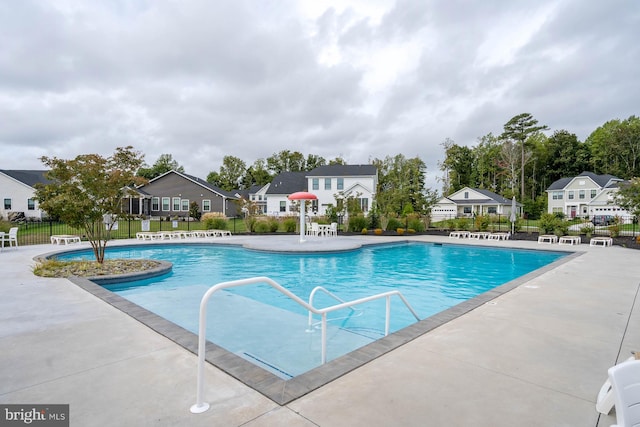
{"type": "Point", "coordinates": [39, 232]}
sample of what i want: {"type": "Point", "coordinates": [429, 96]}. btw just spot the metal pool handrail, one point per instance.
{"type": "Point", "coordinates": [201, 406]}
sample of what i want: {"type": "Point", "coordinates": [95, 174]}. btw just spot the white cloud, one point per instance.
{"type": "Point", "coordinates": [356, 79]}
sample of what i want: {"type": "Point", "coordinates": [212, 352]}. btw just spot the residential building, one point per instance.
{"type": "Point", "coordinates": [171, 195]}
{"type": "Point", "coordinates": [327, 183]}
{"type": "Point", "coordinates": [468, 202]}
{"type": "Point", "coordinates": [585, 195]}
{"type": "Point", "coordinates": [17, 190]}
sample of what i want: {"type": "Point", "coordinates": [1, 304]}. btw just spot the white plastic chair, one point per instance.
{"type": "Point", "coordinates": [333, 229]}
{"type": "Point", "coordinates": [11, 237]}
{"type": "Point", "coordinates": [625, 382]}
{"type": "Point", "coordinates": [315, 229]}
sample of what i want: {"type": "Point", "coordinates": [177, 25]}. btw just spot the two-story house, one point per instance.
{"type": "Point", "coordinates": [327, 183]}
{"type": "Point", "coordinates": [18, 193]}
{"type": "Point", "coordinates": [585, 195]}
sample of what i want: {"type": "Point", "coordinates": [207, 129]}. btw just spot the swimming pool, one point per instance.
{"type": "Point", "coordinates": [268, 329]}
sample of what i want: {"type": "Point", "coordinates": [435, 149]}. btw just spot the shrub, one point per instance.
{"type": "Point", "coordinates": [416, 224]}
{"type": "Point", "coordinates": [214, 222]}
{"type": "Point", "coordinates": [393, 224]}
{"type": "Point", "coordinates": [290, 225]}
{"type": "Point", "coordinates": [482, 222]}
{"type": "Point", "coordinates": [462, 224]}
{"type": "Point", "coordinates": [274, 224]}
{"type": "Point", "coordinates": [357, 223]}
{"type": "Point", "coordinates": [262, 227]}
{"type": "Point", "coordinates": [378, 231]}
{"type": "Point", "coordinates": [250, 224]}
{"type": "Point", "coordinates": [400, 230]}
{"type": "Point", "coordinates": [364, 231]}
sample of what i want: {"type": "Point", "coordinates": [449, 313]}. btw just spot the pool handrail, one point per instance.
{"type": "Point", "coordinates": [327, 292]}
{"type": "Point", "coordinates": [200, 406]}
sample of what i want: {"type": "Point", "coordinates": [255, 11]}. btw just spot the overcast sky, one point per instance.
{"type": "Point", "coordinates": [357, 79]}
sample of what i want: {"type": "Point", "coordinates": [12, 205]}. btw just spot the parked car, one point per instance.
{"type": "Point", "coordinates": [603, 219]}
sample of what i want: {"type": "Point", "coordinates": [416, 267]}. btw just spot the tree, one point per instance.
{"type": "Point", "coordinates": [164, 164]}
{"type": "Point", "coordinates": [458, 165]}
{"type": "Point", "coordinates": [232, 171]}
{"type": "Point", "coordinates": [628, 197]}
{"type": "Point", "coordinates": [562, 155]}
{"type": "Point", "coordinates": [401, 183]}
{"type": "Point", "coordinates": [256, 174]}
{"type": "Point", "coordinates": [313, 161]}
{"type": "Point", "coordinates": [615, 148]}
{"type": "Point", "coordinates": [89, 189]}
{"type": "Point", "coordinates": [286, 161]}
{"type": "Point", "coordinates": [519, 129]}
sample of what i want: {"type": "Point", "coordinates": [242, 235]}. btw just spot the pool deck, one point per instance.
{"type": "Point", "coordinates": [534, 356]}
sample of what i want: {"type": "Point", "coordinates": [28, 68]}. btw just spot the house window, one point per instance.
{"type": "Point", "coordinates": [467, 210]}
{"type": "Point", "coordinates": [581, 194]}
{"type": "Point", "coordinates": [7, 204]}
{"type": "Point", "coordinates": [185, 204]}
{"type": "Point", "coordinates": [340, 184]}
{"type": "Point", "coordinates": [283, 206]}
{"type": "Point", "coordinates": [466, 194]}
{"type": "Point", "coordinates": [364, 204]}
{"type": "Point", "coordinates": [492, 210]}
{"type": "Point", "coordinates": [557, 195]}
{"type": "Point", "coordinates": [31, 204]}
{"type": "Point", "coordinates": [155, 204]}
{"type": "Point", "coordinates": [593, 194]}
{"type": "Point", "coordinates": [315, 183]}
{"type": "Point", "coordinates": [176, 203]}
{"type": "Point", "coordinates": [556, 210]}
{"type": "Point", "coordinates": [327, 183]}
{"type": "Point", "coordinates": [165, 203]}
{"type": "Point", "coordinates": [570, 195]}
{"type": "Point", "coordinates": [206, 206]}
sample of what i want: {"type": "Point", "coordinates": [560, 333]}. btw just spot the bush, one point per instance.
{"type": "Point", "coordinates": [262, 227]}
{"type": "Point", "coordinates": [357, 223]}
{"type": "Point", "coordinates": [400, 230]}
{"type": "Point", "coordinates": [416, 224]}
{"type": "Point", "coordinates": [378, 231]}
{"type": "Point", "coordinates": [250, 224]}
{"type": "Point", "coordinates": [212, 221]}
{"type": "Point", "coordinates": [290, 225]}
{"type": "Point", "coordinates": [551, 223]}
{"type": "Point", "coordinates": [364, 231]}
{"type": "Point", "coordinates": [482, 222]}
{"type": "Point", "coordinates": [274, 224]}
{"type": "Point", "coordinates": [394, 224]}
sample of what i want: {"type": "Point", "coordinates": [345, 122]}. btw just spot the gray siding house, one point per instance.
{"type": "Point", "coordinates": [171, 194]}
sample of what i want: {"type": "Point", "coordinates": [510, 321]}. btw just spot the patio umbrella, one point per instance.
{"type": "Point", "coordinates": [513, 214]}
{"type": "Point", "coordinates": [302, 196]}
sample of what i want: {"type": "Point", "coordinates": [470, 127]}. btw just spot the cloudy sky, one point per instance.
{"type": "Point", "coordinates": [357, 79]}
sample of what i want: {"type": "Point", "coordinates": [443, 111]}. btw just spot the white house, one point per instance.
{"type": "Point", "coordinates": [18, 192]}
{"type": "Point", "coordinates": [585, 195]}
{"type": "Point", "coordinates": [468, 202]}
{"type": "Point", "coordinates": [327, 183]}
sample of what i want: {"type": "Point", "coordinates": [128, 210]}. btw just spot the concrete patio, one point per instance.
{"type": "Point", "coordinates": [534, 356]}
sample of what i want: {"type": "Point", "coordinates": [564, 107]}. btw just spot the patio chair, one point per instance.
{"type": "Point", "coordinates": [625, 382]}
{"type": "Point", "coordinates": [11, 237]}
{"type": "Point", "coordinates": [333, 229]}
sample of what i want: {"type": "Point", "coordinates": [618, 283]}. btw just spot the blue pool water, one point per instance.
{"type": "Point", "coordinates": [269, 329]}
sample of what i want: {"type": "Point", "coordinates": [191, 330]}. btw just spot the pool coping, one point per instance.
{"type": "Point", "coordinates": [284, 391]}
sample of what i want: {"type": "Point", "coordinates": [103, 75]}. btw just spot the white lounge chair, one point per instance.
{"type": "Point", "coordinates": [11, 238]}
{"type": "Point", "coordinates": [625, 383]}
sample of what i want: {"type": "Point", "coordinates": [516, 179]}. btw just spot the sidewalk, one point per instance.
{"type": "Point", "coordinates": [535, 356]}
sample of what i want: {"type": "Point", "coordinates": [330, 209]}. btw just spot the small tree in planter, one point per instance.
{"type": "Point", "coordinates": [89, 189]}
